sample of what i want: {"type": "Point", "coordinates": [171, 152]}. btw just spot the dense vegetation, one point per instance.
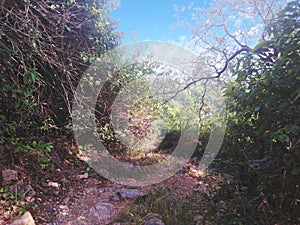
{"type": "Point", "coordinates": [45, 48]}
{"type": "Point", "coordinates": [264, 122]}
{"type": "Point", "coordinates": [47, 45]}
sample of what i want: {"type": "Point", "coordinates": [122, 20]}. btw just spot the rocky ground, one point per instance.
{"type": "Point", "coordinates": [88, 199]}
{"type": "Point", "coordinates": [72, 196]}
{"type": "Point", "coordinates": [66, 191]}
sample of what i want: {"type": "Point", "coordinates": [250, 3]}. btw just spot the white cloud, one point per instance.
{"type": "Point", "coordinates": [253, 31]}
{"type": "Point", "coordinates": [182, 9]}
{"type": "Point", "coordinates": [182, 38]}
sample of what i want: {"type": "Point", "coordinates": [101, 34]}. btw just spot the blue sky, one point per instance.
{"type": "Point", "coordinates": [142, 20]}
{"type": "Point", "coordinates": [149, 20]}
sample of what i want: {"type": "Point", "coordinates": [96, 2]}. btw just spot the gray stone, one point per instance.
{"type": "Point", "coordinates": [153, 219]}
{"type": "Point", "coordinates": [116, 197]}
{"type": "Point", "coordinates": [130, 193]}
{"type": "Point", "coordinates": [154, 222]}
{"type": "Point", "coordinates": [126, 194]}
{"type": "Point", "coordinates": [25, 219]}
{"type": "Point", "coordinates": [101, 210]}
{"type": "Point", "coordinates": [9, 175]}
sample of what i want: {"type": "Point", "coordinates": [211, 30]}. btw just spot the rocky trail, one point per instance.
{"type": "Point", "coordinates": [68, 192]}
{"type": "Point", "coordinates": [94, 205]}
{"type": "Point", "coordinates": [87, 199]}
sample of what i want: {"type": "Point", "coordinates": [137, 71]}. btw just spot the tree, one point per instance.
{"type": "Point", "coordinates": [45, 48]}
{"type": "Point", "coordinates": [267, 89]}
{"type": "Point", "coordinates": [264, 114]}
{"type": "Point", "coordinates": [254, 47]}
{"type": "Point", "coordinates": [223, 29]}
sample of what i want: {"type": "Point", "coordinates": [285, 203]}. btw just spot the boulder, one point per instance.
{"type": "Point", "coordinates": [25, 219]}
{"type": "Point", "coordinates": [9, 175]}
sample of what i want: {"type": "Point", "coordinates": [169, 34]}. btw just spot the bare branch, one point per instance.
{"type": "Point", "coordinates": [233, 37]}
{"type": "Point", "coordinates": [218, 73]}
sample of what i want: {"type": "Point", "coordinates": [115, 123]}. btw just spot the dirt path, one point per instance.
{"type": "Point", "coordinates": [94, 205]}
{"type": "Point", "coordinates": [99, 205]}
{"type": "Point", "coordinates": [65, 196]}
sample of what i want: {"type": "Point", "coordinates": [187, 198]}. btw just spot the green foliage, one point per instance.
{"type": "Point", "coordinates": [121, 76]}
{"type": "Point", "coordinates": [39, 147]}
{"type": "Point", "coordinates": [172, 118]}
{"type": "Point", "coordinates": [263, 117]}
{"type": "Point", "coordinates": [264, 99]}
{"type": "Point", "coordinates": [226, 213]}
{"type": "Point", "coordinates": [13, 200]}
{"type": "Point", "coordinates": [41, 63]}
{"type": "Point", "coordinates": [31, 76]}
{"type": "Point", "coordinates": [40, 150]}
{"type": "Point", "coordinates": [42, 59]}
{"type": "Point", "coordinates": [12, 197]}
{"type": "Point", "coordinates": [173, 210]}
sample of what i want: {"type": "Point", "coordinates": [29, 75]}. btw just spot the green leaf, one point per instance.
{"type": "Point", "coordinates": [258, 47]}
{"type": "Point", "coordinates": [67, 28]}
{"type": "Point", "coordinates": [283, 138]}
{"type": "Point", "coordinates": [4, 195]}
{"type": "Point", "coordinates": [295, 129]}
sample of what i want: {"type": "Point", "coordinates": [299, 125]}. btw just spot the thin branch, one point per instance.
{"type": "Point", "coordinates": [202, 99]}
{"type": "Point", "coordinates": [218, 73]}
{"type": "Point", "coordinates": [233, 37]}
